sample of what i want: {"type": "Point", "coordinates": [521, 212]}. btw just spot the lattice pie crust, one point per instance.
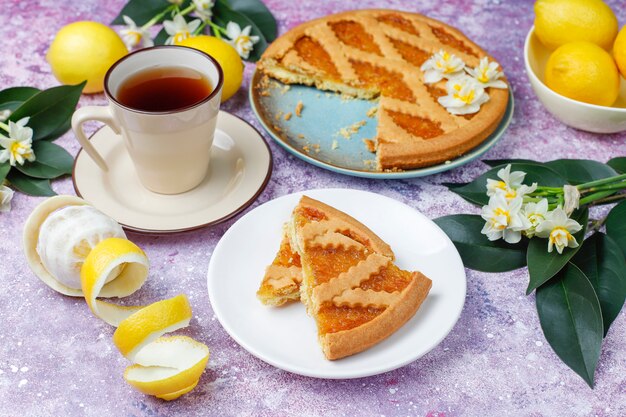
{"type": "Point", "coordinates": [349, 282]}
{"type": "Point", "coordinates": [370, 53]}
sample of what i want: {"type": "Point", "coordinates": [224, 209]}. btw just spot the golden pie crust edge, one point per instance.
{"type": "Point", "coordinates": [349, 342]}
{"type": "Point", "coordinates": [410, 153]}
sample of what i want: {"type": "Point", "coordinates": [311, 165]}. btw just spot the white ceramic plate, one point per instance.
{"type": "Point", "coordinates": [241, 165]}
{"type": "Point", "coordinates": [286, 337]}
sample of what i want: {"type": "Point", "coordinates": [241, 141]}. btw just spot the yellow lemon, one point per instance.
{"type": "Point", "coordinates": [585, 72]}
{"type": "Point", "coordinates": [226, 55]}
{"type": "Point", "coordinates": [85, 51]}
{"type": "Point", "coordinates": [558, 22]}
{"type": "Point", "coordinates": [619, 51]}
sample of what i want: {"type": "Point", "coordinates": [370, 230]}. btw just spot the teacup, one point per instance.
{"type": "Point", "coordinates": [170, 149]}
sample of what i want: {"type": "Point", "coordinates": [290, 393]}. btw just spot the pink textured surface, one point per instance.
{"type": "Point", "coordinates": [57, 359]}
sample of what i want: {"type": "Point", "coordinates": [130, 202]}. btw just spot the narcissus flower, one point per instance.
{"type": "Point", "coordinates": [559, 230]}
{"type": "Point", "coordinates": [179, 29]}
{"type": "Point", "coordinates": [487, 74]}
{"type": "Point", "coordinates": [132, 35]}
{"type": "Point", "coordinates": [503, 219]}
{"type": "Point", "coordinates": [18, 147]}
{"type": "Point", "coordinates": [241, 39]}
{"type": "Point", "coordinates": [442, 65]}
{"type": "Point", "coordinates": [465, 95]}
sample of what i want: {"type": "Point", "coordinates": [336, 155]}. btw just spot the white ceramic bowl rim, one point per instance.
{"type": "Point", "coordinates": [532, 74]}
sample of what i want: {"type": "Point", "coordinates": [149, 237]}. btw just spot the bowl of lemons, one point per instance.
{"type": "Point", "coordinates": [575, 59]}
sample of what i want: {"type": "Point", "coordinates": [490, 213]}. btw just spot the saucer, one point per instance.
{"type": "Point", "coordinates": [241, 165]}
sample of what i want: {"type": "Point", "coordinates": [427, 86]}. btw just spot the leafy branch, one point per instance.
{"type": "Point", "coordinates": [580, 291]}
{"type": "Point", "coordinates": [36, 118]}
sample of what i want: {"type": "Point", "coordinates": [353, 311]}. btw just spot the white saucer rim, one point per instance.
{"type": "Point", "coordinates": [232, 214]}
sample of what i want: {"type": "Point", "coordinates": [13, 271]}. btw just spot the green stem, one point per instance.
{"type": "Point", "coordinates": [4, 126]}
{"type": "Point", "coordinates": [158, 17]}
{"type": "Point", "coordinates": [217, 30]}
{"type": "Point", "coordinates": [200, 28]}
{"type": "Point", "coordinates": [609, 200]}
{"type": "Point", "coordinates": [595, 196]}
{"type": "Point", "coordinates": [601, 182]}
{"type": "Point", "coordinates": [616, 186]}
{"type": "Point", "coordinates": [188, 9]}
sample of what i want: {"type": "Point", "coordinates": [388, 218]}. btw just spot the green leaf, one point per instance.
{"type": "Point", "coordinates": [256, 11]}
{"type": "Point", "coordinates": [161, 37]}
{"type": "Point", "coordinates": [543, 265]}
{"type": "Point", "coordinates": [52, 161]}
{"type": "Point", "coordinates": [571, 319]}
{"type": "Point", "coordinates": [58, 132]}
{"type": "Point", "coordinates": [142, 11]}
{"type": "Point", "coordinates": [476, 250]}
{"type": "Point", "coordinates": [31, 186]}
{"type": "Point", "coordinates": [5, 167]}
{"type": "Point", "coordinates": [601, 260]}
{"type": "Point", "coordinates": [222, 14]}
{"type": "Point", "coordinates": [50, 109]}
{"type": "Point", "coordinates": [616, 225]}
{"type": "Point", "coordinates": [498, 162]}
{"type": "Point", "coordinates": [12, 98]}
{"type": "Point", "coordinates": [580, 171]}
{"type": "Point", "coordinates": [476, 191]}
{"type": "Point", "coordinates": [618, 164]}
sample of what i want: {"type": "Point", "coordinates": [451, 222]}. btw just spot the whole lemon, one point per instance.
{"type": "Point", "coordinates": [226, 55]}
{"type": "Point", "coordinates": [85, 51]}
{"type": "Point", "coordinates": [619, 51]}
{"type": "Point", "coordinates": [558, 22]}
{"type": "Point", "coordinates": [585, 72]}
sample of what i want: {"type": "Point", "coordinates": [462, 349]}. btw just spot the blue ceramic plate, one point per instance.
{"type": "Point", "coordinates": [317, 137]}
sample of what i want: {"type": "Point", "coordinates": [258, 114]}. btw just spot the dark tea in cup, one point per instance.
{"type": "Point", "coordinates": [164, 89]}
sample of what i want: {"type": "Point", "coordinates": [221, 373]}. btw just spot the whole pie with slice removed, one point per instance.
{"type": "Point", "coordinates": [350, 285]}
{"type": "Point", "coordinates": [378, 53]}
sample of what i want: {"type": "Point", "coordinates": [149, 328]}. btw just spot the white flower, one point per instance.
{"type": "Point", "coordinates": [558, 228]}
{"type": "Point", "coordinates": [442, 65]}
{"type": "Point", "coordinates": [18, 146]}
{"type": "Point", "coordinates": [503, 219]}
{"type": "Point", "coordinates": [179, 29]}
{"type": "Point", "coordinates": [6, 195]}
{"type": "Point", "coordinates": [241, 39]}
{"type": "Point", "coordinates": [509, 181]}
{"type": "Point", "coordinates": [510, 185]}
{"type": "Point", "coordinates": [487, 74]}
{"type": "Point", "coordinates": [465, 95]}
{"type": "Point", "coordinates": [4, 114]}
{"type": "Point", "coordinates": [204, 9]}
{"type": "Point", "coordinates": [132, 35]}
{"type": "Point", "coordinates": [535, 213]}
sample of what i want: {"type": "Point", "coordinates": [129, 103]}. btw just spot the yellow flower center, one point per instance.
{"type": "Point", "coordinates": [467, 98]}
{"type": "Point", "coordinates": [558, 233]}
{"type": "Point", "coordinates": [501, 212]}
{"type": "Point", "coordinates": [242, 39]}
{"type": "Point", "coordinates": [136, 36]}
{"type": "Point", "coordinates": [483, 77]}
{"type": "Point", "coordinates": [180, 36]}
{"type": "Point", "coordinates": [15, 148]}
{"type": "Point", "coordinates": [510, 194]}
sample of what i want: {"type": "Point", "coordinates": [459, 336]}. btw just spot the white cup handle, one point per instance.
{"type": "Point", "coordinates": [100, 113]}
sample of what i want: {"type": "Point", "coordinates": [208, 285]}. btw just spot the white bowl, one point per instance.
{"type": "Point", "coordinates": [583, 116]}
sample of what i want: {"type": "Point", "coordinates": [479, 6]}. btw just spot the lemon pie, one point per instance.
{"type": "Point", "coordinates": [349, 282]}
{"type": "Point", "coordinates": [378, 54]}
